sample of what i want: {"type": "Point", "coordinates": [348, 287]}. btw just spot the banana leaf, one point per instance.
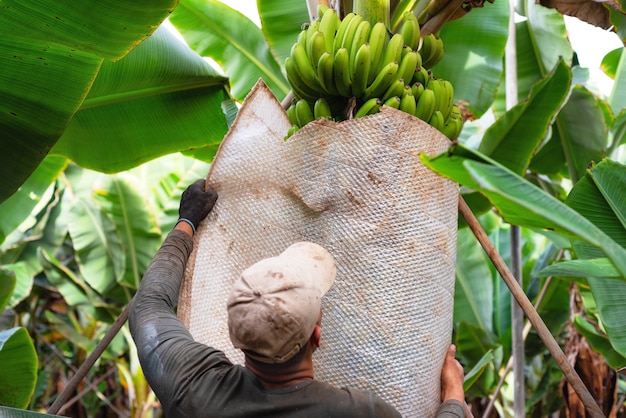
{"type": "Point", "coordinates": [595, 222]}
{"type": "Point", "coordinates": [579, 137]}
{"type": "Point", "coordinates": [600, 196]}
{"type": "Point", "coordinates": [610, 62]}
{"type": "Point", "coordinates": [215, 30]}
{"type": "Point", "coordinates": [522, 203]}
{"type": "Point", "coordinates": [23, 281]}
{"type": "Point", "coordinates": [19, 367]}
{"type": "Point", "coordinates": [598, 267]}
{"type": "Point", "coordinates": [8, 412]}
{"type": "Point", "coordinates": [50, 52]}
{"type": "Point", "coordinates": [7, 284]}
{"type": "Point", "coordinates": [513, 138]}
{"type": "Point", "coordinates": [281, 23]}
{"type": "Point", "coordinates": [159, 99]}
{"type": "Point", "coordinates": [618, 94]}
{"type": "Point", "coordinates": [99, 248]}
{"type": "Point", "coordinates": [599, 342]}
{"type": "Point", "coordinates": [121, 199]}
{"type": "Point", "coordinates": [474, 47]}
{"type": "Point", "coordinates": [16, 209]}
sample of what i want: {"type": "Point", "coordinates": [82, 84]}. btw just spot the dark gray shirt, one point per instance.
{"type": "Point", "coordinates": [194, 380]}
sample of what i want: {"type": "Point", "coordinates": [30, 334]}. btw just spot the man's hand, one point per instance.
{"type": "Point", "coordinates": [452, 377]}
{"type": "Point", "coordinates": [196, 203]}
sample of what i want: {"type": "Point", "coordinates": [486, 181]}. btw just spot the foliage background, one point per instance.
{"type": "Point", "coordinates": [141, 117]}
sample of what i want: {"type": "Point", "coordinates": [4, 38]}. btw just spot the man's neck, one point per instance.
{"type": "Point", "coordinates": [274, 376]}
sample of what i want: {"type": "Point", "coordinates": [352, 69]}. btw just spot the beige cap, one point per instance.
{"type": "Point", "coordinates": [275, 304]}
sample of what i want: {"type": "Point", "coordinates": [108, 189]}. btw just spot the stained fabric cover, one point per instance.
{"type": "Point", "coordinates": [359, 189]}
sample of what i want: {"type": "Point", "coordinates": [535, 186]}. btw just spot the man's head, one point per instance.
{"type": "Point", "coordinates": [275, 305]}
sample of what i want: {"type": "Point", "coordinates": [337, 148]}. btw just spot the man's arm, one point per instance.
{"type": "Point", "coordinates": [166, 350]}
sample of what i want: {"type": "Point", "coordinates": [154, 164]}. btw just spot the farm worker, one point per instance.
{"type": "Point", "coordinates": [194, 380]}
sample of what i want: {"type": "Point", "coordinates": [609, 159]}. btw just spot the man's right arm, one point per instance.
{"type": "Point", "coordinates": [452, 393]}
{"type": "Point", "coordinates": [169, 356]}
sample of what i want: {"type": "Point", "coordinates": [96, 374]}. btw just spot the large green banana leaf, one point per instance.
{"type": "Point", "coordinates": [281, 22]}
{"type": "Point", "coordinates": [159, 99]}
{"type": "Point", "coordinates": [513, 138]}
{"type": "Point", "coordinates": [215, 30]}
{"type": "Point", "coordinates": [600, 196]}
{"type": "Point", "coordinates": [17, 209]}
{"type": "Point", "coordinates": [522, 203]}
{"type": "Point", "coordinates": [120, 197]}
{"type": "Point", "coordinates": [580, 136]}
{"type": "Point", "coordinates": [50, 53]}
{"type": "Point", "coordinates": [19, 367]}
{"type": "Point", "coordinates": [599, 233]}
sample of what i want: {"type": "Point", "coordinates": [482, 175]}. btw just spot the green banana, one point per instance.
{"type": "Point", "coordinates": [452, 128]}
{"type": "Point", "coordinates": [436, 120]}
{"type": "Point", "coordinates": [448, 98]}
{"type": "Point", "coordinates": [292, 130]}
{"type": "Point", "coordinates": [417, 89]}
{"type": "Point", "coordinates": [393, 102]}
{"type": "Point", "coordinates": [341, 30]}
{"type": "Point", "coordinates": [325, 73]}
{"type": "Point", "coordinates": [348, 36]}
{"type": "Point", "coordinates": [360, 70]}
{"type": "Point", "coordinates": [321, 10]}
{"type": "Point", "coordinates": [410, 30]}
{"type": "Point", "coordinates": [316, 47]}
{"type": "Point", "coordinates": [299, 87]}
{"type": "Point", "coordinates": [361, 36]}
{"type": "Point", "coordinates": [321, 109]}
{"type": "Point", "coordinates": [303, 112]}
{"type": "Point", "coordinates": [369, 107]}
{"type": "Point", "coordinates": [382, 81]}
{"type": "Point", "coordinates": [291, 114]}
{"type": "Point", "coordinates": [329, 23]}
{"type": "Point", "coordinates": [392, 51]}
{"type": "Point", "coordinates": [304, 68]}
{"type": "Point", "coordinates": [378, 40]}
{"type": "Point", "coordinates": [311, 29]}
{"type": "Point", "coordinates": [341, 72]}
{"type": "Point", "coordinates": [431, 50]}
{"type": "Point", "coordinates": [408, 65]}
{"type": "Point", "coordinates": [408, 103]}
{"type": "Point", "coordinates": [435, 85]}
{"type": "Point", "coordinates": [425, 105]}
{"type": "Point", "coordinates": [421, 76]}
{"type": "Point", "coordinates": [302, 38]}
{"type": "Point", "coordinates": [395, 89]}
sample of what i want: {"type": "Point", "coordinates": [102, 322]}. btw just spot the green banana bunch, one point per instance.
{"type": "Point", "coordinates": [337, 63]}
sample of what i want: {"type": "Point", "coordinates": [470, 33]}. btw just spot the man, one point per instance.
{"type": "Point", "coordinates": [274, 316]}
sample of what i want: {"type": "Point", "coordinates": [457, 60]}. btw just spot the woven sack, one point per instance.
{"type": "Point", "coordinates": [359, 189]}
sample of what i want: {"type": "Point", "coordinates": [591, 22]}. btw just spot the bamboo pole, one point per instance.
{"type": "Point", "coordinates": [542, 330]}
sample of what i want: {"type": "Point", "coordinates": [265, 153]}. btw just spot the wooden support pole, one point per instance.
{"type": "Point", "coordinates": [542, 330]}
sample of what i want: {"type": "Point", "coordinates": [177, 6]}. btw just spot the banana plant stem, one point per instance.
{"type": "Point", "coordinates": [553, 347]}
{"type": "Point", "coordinates": [436, 22]}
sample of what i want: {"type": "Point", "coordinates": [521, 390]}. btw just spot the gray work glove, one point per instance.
{"type": "Point", "coordinates": [196, 203]}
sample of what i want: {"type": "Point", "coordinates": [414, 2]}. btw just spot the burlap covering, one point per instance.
{"type": "Point", "coordinates": [359, 189]}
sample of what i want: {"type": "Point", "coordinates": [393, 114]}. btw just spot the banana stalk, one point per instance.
{"type": "Point", "coordinates": [373, 10]}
